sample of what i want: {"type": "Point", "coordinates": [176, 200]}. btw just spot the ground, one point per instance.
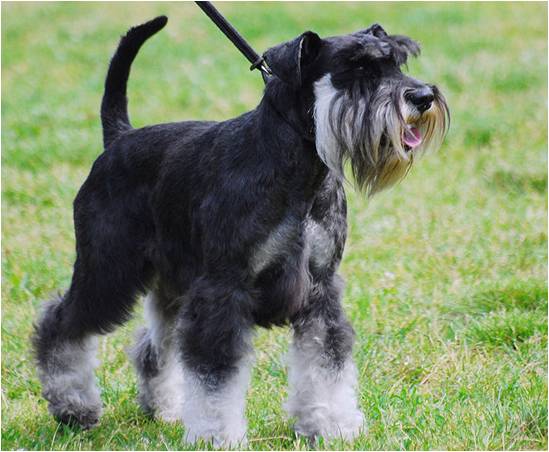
{"type": "Point", "coordinates": [446, 273]}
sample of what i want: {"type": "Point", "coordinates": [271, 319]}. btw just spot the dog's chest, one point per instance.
{"type": "Point", "coordinates": [296, 254]}
{"type": "Point", "coordinates": [294, 241]}
{"type": "Point", "coordinates": [320, 243]}
{"type": "Point", "coordinates": [281, 267]}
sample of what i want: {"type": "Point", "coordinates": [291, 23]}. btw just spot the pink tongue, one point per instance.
{"type": "Point", "coordinates": [412, 137]}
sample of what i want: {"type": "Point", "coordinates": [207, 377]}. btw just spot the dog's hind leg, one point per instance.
{"type": "Point", "coordinates": [66, 335]}
{"type": "Point", "coordinates": [157, 361]}
{"type": "Point", "coordinates": [66, 362]}
{"type": "Point", "coordinates": [322, 375]}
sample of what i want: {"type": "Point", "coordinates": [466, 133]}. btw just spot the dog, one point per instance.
{"type": "Point", "coordinates": [226, 226]}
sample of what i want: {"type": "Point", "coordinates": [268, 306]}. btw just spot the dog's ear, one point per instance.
{"type": "Point", "coordinates": [403, 48]}
{"type": "Point", "coordinates": [290, 60]}
{"type": "Point", "coordinates": [375, 30]}
{"type": "Point", "coordinates": [367, 45]}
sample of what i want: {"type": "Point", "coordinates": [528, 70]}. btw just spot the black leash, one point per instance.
{"type": "Point", "coordinates": [257, 61]}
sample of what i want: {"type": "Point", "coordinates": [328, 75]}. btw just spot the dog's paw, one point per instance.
{"type": "Point", "coordinates": [73, 405]}
{"type": "Point", "coordinates": [169, 416]}
{"type": "Point", "coordinates": [346, 426]}
{"type": "Point", "coordinates": [220, 440]}
{"type": "Point", "coordinates": [77, 416]}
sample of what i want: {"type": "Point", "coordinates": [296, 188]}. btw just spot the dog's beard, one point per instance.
{"type": "Point", "coordinates": [367, 129]}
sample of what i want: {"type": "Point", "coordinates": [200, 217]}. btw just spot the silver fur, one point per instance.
{"type": "Point", "coordinates": [321, 396]}
{"type": "Point", "coordinates": [162, 393]}
{"type": "Point", "coordinates": [275, 245]}
{"type": "Point", "coordinates": [69, 383]}
{"type": "Point", "coordinates": [320, 243]}
{"type": "Point", "coordinates": [217, 415]}
{"type": "Point", "coordinates": [370, 136]}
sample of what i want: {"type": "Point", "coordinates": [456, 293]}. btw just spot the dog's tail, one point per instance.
{"type": "Point", "coordinates": [114, 107]}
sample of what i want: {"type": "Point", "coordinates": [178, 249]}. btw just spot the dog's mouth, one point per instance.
{"type": "Point", "coordinates": [411, 137]}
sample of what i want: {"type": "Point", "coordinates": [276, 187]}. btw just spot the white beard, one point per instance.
{"type": "Point", "coordinates": [372, 142]}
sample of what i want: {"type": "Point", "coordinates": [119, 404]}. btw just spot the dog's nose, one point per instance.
{"type": "Point", "coordinates": [421, 98]}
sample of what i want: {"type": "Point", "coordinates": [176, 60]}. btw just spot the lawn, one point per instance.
{"type": "Point", "coordinates": [446, 272]}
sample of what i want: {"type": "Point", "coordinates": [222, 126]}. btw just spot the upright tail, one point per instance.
{"type": "Point", "coordinates": [114, 107]}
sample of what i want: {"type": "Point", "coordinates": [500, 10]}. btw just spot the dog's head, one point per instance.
{"type": "Point", "coordinates": [366, 110]}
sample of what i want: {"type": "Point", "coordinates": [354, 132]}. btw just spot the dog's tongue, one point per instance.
{"type": "Point", "coordinates": [412, 137]}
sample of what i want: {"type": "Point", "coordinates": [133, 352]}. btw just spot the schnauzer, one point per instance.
{"type": "Point", "coordinates": [230, 225]}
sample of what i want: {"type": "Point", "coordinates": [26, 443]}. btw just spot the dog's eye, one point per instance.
{"type": "Point", "coordinates": [362, 69]}
{"type": "Point", "coordinates": [358, 67]}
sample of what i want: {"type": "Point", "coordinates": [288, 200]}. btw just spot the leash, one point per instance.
{"type": "Point", "coordinates": [228, 30]}
{"type": "Point", "coordinates": [251, 55]}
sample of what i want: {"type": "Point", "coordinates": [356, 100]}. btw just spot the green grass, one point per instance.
{"type": "Point", "coordinates": [446, 273]}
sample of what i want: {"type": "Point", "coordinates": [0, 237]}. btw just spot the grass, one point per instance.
{"type": "Point", "coordinates": [446, 273]}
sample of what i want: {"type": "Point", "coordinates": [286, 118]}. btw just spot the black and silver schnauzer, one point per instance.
{"type": "Point", "coordinates": [229, 225]}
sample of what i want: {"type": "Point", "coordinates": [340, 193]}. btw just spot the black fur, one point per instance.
{"type": "Point", "coordinates": [188, 204]}
{"type": "Point", "coordinates": [114, 108]}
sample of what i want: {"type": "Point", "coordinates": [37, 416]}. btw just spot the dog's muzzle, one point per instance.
{"type": "Point", "coordinates": [421, 98]}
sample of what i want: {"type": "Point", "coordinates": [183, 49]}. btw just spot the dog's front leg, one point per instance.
{"type": "Point", "coordinates": [215, 331]}
{"type": "Point", "coordinates": [322, 375]}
